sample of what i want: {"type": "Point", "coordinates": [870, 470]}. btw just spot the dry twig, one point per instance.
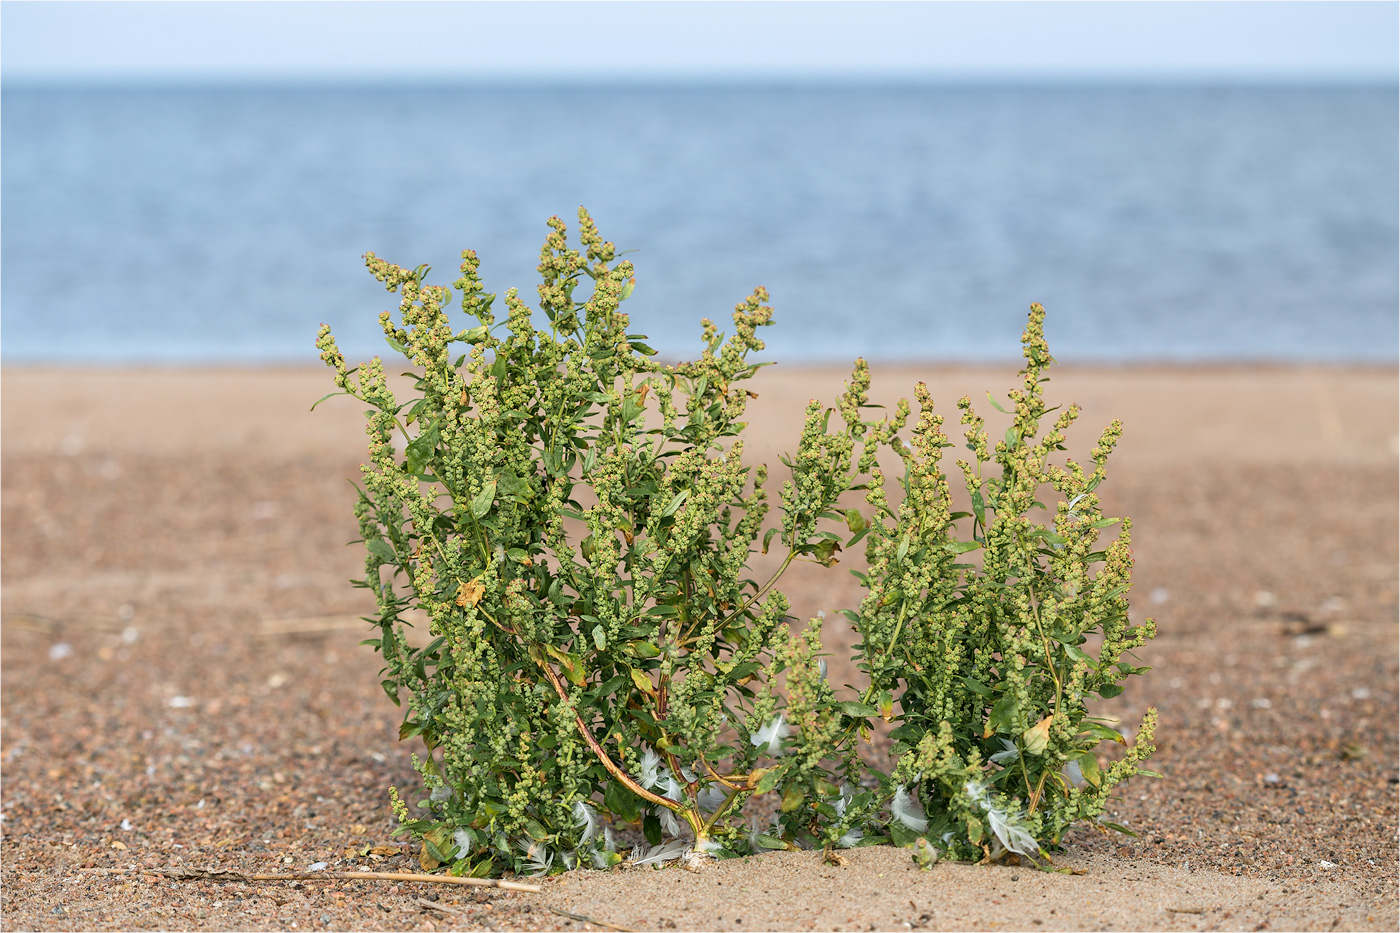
{"type": "Point", "coordinates": [205, 874]}
{"type": "Point", "coordinates": [582, 919]}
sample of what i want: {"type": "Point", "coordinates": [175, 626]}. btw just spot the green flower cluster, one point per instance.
{"type": "Point", "coordinates": [577, 522]}
{"type": "Point", "coordinates": [977, 622]}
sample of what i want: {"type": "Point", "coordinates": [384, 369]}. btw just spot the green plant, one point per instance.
{"type": "Point", "coordinates": [577, 523]}
{"type": "Point", "coordinates": [981, 635]}
{"type": "Point", "coordinates": [567, 513]}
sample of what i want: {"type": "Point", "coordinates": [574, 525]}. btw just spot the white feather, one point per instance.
{"type": "Point", "coordinates": [673, 789]}
{"type": "Point", "coordinates": [608, 844]}
{"type": "Point", "coordinates": [1013, 837]}
{"type": "Point", "coordinates": [586, 819]}
{"type": "Point", "coordinates": [669, 823]}
{"type": "Point", "coordinates": [770, 737]}
{"type": "Point", "coordinates": [651, 769]}
{"type": "Point", "coordinates": [847, 792]}
{"type": "Point", "coordinates": [710, 798]}
{"type": "Point", "coordinates": [851, 837]}
{"type": "Point", "coordinates": [1010, 752]}
{"type": "Point", "coordinates": [908, 811]}
{"type": "Point", "coordinates": [656, 855]}
{"type": "Point", "coordinates": [463, 841]}
{"type": "Point", "coordinates": [538, 859]}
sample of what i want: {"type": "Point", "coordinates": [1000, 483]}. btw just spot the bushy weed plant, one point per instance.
{"type": "Point", "coordinates": [977, 622]}
{"type": "Point", "coordinates": [577, 523]}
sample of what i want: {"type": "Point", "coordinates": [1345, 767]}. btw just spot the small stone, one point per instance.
{"type": "Point", "coordinates": [60, 651]}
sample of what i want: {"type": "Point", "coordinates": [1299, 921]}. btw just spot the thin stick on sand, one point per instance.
{"type": "Point", "coordinates": [203, 874]}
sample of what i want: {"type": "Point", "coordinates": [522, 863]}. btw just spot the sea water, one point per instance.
{"type": "Point", "coordinates": [208, 224]}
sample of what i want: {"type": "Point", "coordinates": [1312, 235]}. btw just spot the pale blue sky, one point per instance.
{"type": "Point", "coordinates": [553, 41]}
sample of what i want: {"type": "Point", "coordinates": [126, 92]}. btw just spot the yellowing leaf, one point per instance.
{"type": "Point", "coordinates": [470, 593]}
{"type": "Point", "coordinates": [1037, 737]}
{"type": "Point", "coordinates": [643, 682]}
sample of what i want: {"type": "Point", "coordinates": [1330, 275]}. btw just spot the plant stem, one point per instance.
{"type": "Point", "coordinates": [625, 779]}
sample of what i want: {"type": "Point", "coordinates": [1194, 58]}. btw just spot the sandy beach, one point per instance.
{"type": "Point", "coordinates": [182, 683]}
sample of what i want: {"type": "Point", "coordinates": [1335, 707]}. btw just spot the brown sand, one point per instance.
{"type": "Point", "coordinates": [181, 533]}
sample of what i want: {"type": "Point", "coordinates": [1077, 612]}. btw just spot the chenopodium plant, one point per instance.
{"type": "Point", "coordinates": [576, 521]}
{"type": "Point", "coordinates": [979, 624]}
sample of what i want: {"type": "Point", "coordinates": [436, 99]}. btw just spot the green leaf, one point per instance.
{"type": "Point", "coordinates": [391, 689]}
{"type": "Point", "coordinates": [903, 547]}
{"type": "Point", "coordinates": [769, 779]}
{"type": "Point", "coordinates": [324, 397]}
{"type": "Point", "coordinates": [825, 553]}
{"type": "Point", "coordinates": [651, 828]}
{"type": "Point", "coordinates": [768, 536]}
{"type": "Point", "coordinates": [977, 687]}
{"type": "Point", "coordinates": [676, 502]}
{"type": "Point", "coordinates": [769, 842]}
{"type": "Point", "coordinates": [621, 802]}
{"type": "Point", "coordinates": [1077, 653]}
{"type": "Point", "coordinates": [857, 710]}
{"type": "Point", "coordinates": [481, 502]}
{"type": "Point", "coordinates": [995, 405]}
{"type": "Point", "coordinates": [855, 521]}
{"type": "Point", "coordinates": [1089, 767]}
{"type": "Point", "coordinates": [643, 649]}
{"type": "Point", "coordinates": [1109, 691]}
{"type": "Point", "coordinates": [1118, 828]}
{"type": "Point", "coordinates": [792, 798]}
{"type": "Point", "coordinates": [1099, 730]}
{"type": "Point", "coordinates": [600, 637]}
{"type": "Point", "coordinates": [902, 835]}
{"type": "Point", "coordinates": [433, 850]}
{"type": "Point", "coordinates": [961, 547]}
{"type": "Point", "coordinates": [382, 550]}
{"type": "Point", "coordinates": [1002, 718]}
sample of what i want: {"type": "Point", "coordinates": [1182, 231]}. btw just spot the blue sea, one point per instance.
{"type": "Point", "coordinates": [1158, 223]}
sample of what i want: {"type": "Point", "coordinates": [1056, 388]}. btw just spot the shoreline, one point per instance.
{"type": "Point", "coordinates": [1170, 415]}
